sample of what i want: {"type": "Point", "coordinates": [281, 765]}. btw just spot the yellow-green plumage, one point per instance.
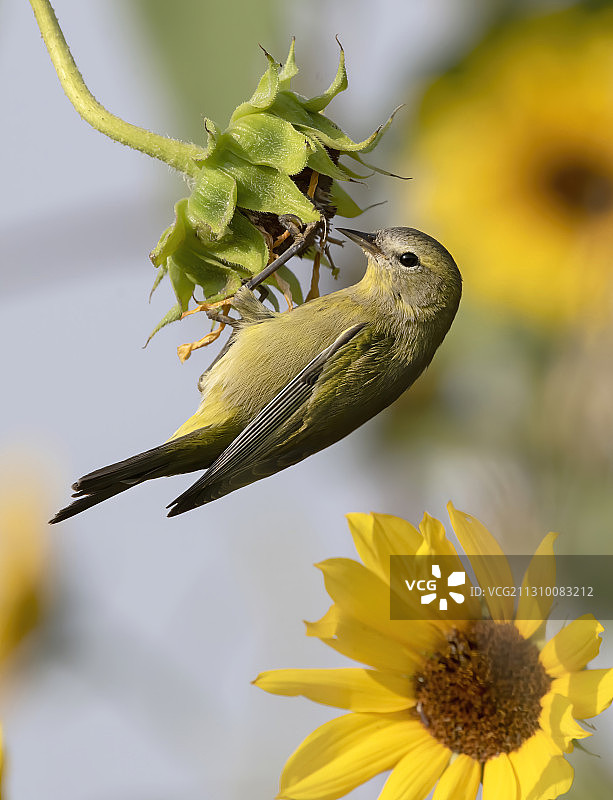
{"type": "Point", "coordinates": [392, 322]}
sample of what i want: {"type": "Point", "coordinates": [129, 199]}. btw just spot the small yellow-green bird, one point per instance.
{"type": "Point", "coordinates": [287, 385]}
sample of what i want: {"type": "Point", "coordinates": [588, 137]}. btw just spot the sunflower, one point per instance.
{"type": "Point", "coordinates": [514, 161]}
{"type": "Point", "coordinates": [22, 559]}
{"type": "Point", "coordinates": [442, 704]}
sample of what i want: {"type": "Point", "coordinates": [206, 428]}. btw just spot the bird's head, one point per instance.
{"type": "Point", "coordinates": [408, 261]}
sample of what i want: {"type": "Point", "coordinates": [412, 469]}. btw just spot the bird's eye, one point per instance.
{"type": "Point", "coordinates": [409, 260]}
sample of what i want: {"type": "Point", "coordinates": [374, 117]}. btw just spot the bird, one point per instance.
{"type": "Point", "coordinates": [288, 385]}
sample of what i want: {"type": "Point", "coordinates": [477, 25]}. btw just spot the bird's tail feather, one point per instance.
{"type": "Point", "coordinates": [106, 482]}
{"type": "Point", "coordinates": [83, 503]}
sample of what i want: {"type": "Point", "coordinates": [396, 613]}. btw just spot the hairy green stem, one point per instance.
{"type": "Point", "coordinates": [177, 154]}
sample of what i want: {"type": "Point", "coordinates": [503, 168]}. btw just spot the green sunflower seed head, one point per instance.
{"type": "Point", "coordinates": [258, 169]}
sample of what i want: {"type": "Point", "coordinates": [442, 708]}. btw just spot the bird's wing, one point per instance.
{"type": "Point", "coordinates": [274, 424]}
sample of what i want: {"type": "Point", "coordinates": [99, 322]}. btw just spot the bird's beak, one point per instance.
{"type": "Point", "coordinates": [365, 240]}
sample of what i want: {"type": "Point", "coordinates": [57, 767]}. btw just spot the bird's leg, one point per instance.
{"type": "Point", "coordinates": [218, 316]}
{"type": "Point", "coordinates": [301, 241]}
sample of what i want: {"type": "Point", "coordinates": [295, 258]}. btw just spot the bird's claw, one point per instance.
{"type": "Point", "coordinates": [292, 224]}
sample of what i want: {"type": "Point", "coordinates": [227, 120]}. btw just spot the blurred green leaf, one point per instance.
{"type": "Point", "coordinates": [206, 51]}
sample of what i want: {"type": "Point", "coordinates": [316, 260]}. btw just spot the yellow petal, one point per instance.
{"type": "Point", "coordinates": [346, 752]}
{"type": "Point", "coordinates": [353, 689]}
{"type": "Point", "coordinates": [492, 574]}
{"type": "Point", "coordinates": [361, 528]}
{"type": "Point", "coordinates": [378, 536]}
{"type": "Point", "coordinates": [556, 779]}
{"type": "Point", "coordinates": [436, 543]}
{"type": "Point", "coordinates": [590, 691]}
{"type": "Point", "coordinates": [359, 641]}
{"type": "Point", "coordinates": [394, 536]}
{"type": "Point", "coordinates": [557, 721]}
{"type": "Point", "coordinates": [325, 627]}
{"type": "Point", "coordinates": [542, 774]}
{"type": "Point", "coordinates": [499, 779]}
{"type": "Point", "coordinates": [572, 647]}
{"type": "Point", "coordinates": [531, 611]}
{"type": "Point", "coordinates": [360, 594]}
{"type": "Point", "coordinates": [414, 776]}
{"type": "Point", "coordinates": [460, 781]}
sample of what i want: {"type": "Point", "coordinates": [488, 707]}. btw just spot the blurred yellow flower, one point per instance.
{"type": "Point", "coordinates": [1, 763]}
{"type": "Point", "coordinates": [445, 704]}
{"type": "Point", "coordinates": [22, 561]}
{"type": "Point", "coordinates": [514, 161]}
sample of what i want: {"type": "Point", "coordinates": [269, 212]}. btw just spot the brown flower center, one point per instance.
{"type": "Point", "coordinates": [579, 186]}
{"type": "Point", "coordinates": [481, 696]}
